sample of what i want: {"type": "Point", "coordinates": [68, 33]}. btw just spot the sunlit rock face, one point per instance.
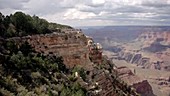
{"type": "Point", "coordinates": [78, 49]}
{"type": "Point", "coordinates": [72, 46]}
{"type": "Point", "coordinates": [75, 47]}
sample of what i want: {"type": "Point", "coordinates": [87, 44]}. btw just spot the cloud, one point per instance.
{"type": "Point", "coordinates": [44, 7]}
{"type": "Point", "coordinates": [12, 4]}
{"type": "Point", "coordinates": [98, 2]}
{"type": "Point", "coordinates": [76, 14]}
{"type": "Point", "coordinates": [156, 3]}
{"type": "Point", "coordinates": [94, 12]}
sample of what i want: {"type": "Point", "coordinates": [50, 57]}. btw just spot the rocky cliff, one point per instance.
{"type": "Point", "coordinates": [72, 46]}
{"type": "Point", "coordinates": [78, 49]}
{"type": "Point", "coordinates": [149, 50]}
{"type": "Point", "coordinates": [142, 86]}
{"type": "Point", "coordinates": [150, 37]}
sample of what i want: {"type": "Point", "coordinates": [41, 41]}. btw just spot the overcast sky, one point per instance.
{"type": "Point", "coordinates": [94, 12]}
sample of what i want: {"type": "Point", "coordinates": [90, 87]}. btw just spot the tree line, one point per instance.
{"type": "Point", "coordinates": [21, 24]}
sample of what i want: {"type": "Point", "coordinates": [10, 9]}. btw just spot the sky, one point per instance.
{"type": "Point", "coordinates": [93, 12]}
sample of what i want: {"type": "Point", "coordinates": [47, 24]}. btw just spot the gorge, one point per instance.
{"type": "Point", "coordinates": [146, 52]}
{"type": "Point", "coordinates": [78, 49]}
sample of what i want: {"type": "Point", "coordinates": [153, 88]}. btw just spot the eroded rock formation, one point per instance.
{"type": "Point", "coordinates": [72, 46]}
{"type": "Point", "coordinates": [142, 86]}
{"type": "Point", "coordinates": [149, 50]}
{"type": "Point", "coordinates": [78, 49]}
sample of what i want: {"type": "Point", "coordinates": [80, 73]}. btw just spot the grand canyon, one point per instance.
{"type": "Point", "coordinates": [143, 49]}
{"type": "Point", "coordinates": [84, 48]}
{"type": "Point", "coordinates": [42, 58]}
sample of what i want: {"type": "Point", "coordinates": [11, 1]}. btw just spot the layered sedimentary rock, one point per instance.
{"type": "Point", "coordinates": [149, 37]}
{"type": "Point", "coordinates": [142, 86]}
{"type": "Point", "coordinates": [78, 49]}
{"type": "Point", "coordinates": [149, 50]}
{"type": "Point", "coordinates": [134, 58]}
{"type": "Point", "coordinates": [150, 62]}
{"type": "Point", "coordinates": [71, 46]}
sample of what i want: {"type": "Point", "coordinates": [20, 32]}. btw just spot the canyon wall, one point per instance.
{"type": "Point", "coordinates": [141, 86]}
{"type": "Point", "coordinates": [78, 49]}
{"type": "Point", "coordinates": [71, 46]}
{"type": "Point", "coordinates": [153, 51]}
{"type": "Point", "coordinates": [149, 37]}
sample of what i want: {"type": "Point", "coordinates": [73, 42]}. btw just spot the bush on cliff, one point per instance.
{"type": "Point", "coordinates": [80, 71]}
{"type": "Point", "coordinates": [25, 72]}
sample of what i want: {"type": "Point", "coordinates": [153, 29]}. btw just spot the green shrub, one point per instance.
{"type": "Point", "coordinates": [80, 71]}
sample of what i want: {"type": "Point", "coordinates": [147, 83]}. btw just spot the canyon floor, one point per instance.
{"type": "Point", "coordinates": [157, 78]}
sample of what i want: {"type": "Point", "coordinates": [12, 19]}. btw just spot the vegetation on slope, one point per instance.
{"type": "Point", "coordinates": [23, 72]}
{"type": "Point", "coordinates": [20, 24]}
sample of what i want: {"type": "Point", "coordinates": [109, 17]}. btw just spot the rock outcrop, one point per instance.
{"type": "Point", "coordinates": [142, 86]}
{"type": "Point", "coordinates": [72, 46]}
{"type": "Point", "coordinates": [153, 51]}
{"type": "Point", "coordinates": [78, 49]}
{"type": "Point", "coordinates": [149, 62]}
{"type": "Point", "coordinates": [150, 37]}
{"type": "Point", "coordinates": [134, 58]}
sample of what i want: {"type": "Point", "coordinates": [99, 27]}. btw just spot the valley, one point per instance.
{"type": "Point", "coordinates": [59, 61]}
{"type": "Point", "coordinates": [85, 48]}
{"type": "Point", "coordinates": [145, 50]}
{"type": "Point", "coordinates": [155, 77]}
